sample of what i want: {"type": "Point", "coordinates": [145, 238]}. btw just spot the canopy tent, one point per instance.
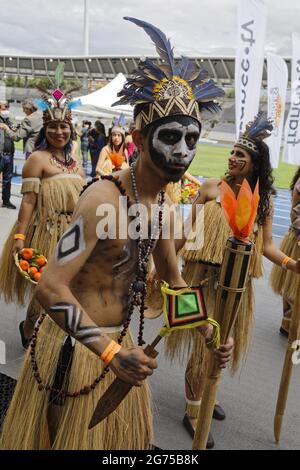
{"type": "Point", "coordinates": [99, 103]}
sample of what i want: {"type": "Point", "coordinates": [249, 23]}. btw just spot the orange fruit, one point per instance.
{"type": "Point", "coordinates": [24, 265]}
{"type": "Point", "coordinates": [41, 261]}
{"type": "Point", "coordinates": [27, 253]}
{"type": "Point", "coordinates": [41, 269]}
{"type": "Point", "coordinates": [33, 271]}
{"type": "Point", "coordinates": [37, 276]}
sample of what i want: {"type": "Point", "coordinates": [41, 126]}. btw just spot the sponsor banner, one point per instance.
{"type": "Point", "coordinates": [277, 87]}
{"type": "Point", "coordinates": [252, 19]}
{"type": "Point", "coordinates": [291, 152]}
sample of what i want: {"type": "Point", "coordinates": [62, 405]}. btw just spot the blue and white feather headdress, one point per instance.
{"type": "Point", "coordinates": [166, 89]}
{"type": "Point", "coordinates": [57, 105]}
{"type": "Point", "coordinates": [258, 129]}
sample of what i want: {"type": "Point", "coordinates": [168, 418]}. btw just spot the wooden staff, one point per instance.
{"type": "Point", "coordinates": [294, 334]}
{"type": "Point", "coordinates": [232, 283]}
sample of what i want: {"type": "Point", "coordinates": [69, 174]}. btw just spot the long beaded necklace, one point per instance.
{"type": "Point", "coordinates": [145, 248]}
{"type": "Point", "coordinates": [136, 293]}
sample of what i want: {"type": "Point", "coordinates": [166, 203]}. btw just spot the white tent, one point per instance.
{"type": "Point", "coordinates": [99, 103]}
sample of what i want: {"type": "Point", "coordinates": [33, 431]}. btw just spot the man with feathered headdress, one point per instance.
{"type": "Point", "coordinates": [98, 277]}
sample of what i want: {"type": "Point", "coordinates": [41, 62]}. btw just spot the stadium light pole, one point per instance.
{"type": "Point", "coordinates": [86, 28]}
{"type": "Point", "coordinates": [86, 38]}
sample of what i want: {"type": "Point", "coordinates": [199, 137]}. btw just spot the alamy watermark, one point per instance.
{"type": "Point", "coordinates": [2, 353]}
{"type": "Point", "coordinates": [296, 353]}
{"type": "Point", "coordinates": [122, 223]}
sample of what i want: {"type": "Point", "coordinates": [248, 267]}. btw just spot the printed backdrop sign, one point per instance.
{"type": "Point", "coordinates": [252, 19]}
{"type": "Point", "coordinates": [277, 86]}
{"type": "Point", "coordinates": [292, 128]}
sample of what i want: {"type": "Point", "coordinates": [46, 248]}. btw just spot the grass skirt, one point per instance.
{"type": "Point", "coordinates": [56, 200]}
{"type": "Point", "coordinates": [284, 281]}
{"type": "Point", "coordinates": [25, 426]}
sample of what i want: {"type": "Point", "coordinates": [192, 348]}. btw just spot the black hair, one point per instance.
{"type": "Point", "coordinates": [295, 178]}
{"type": "Point", "coordinates": [100, 126]}
{"type": "Point", "coordinates": [262, 169]}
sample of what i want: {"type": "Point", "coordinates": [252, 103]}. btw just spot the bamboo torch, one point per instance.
{"type": "Point", "coordinates": [240, 213]}
{"type": "Point", "coordinates": [294, 334]}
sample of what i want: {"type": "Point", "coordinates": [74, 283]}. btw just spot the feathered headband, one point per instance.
{"type": "Point", "coordinates": [57, 104]}
{"type": "Point", "coordinates": [258, 129]}
{"type": "Point", "coordinates": [118, 123]}
{"type": "Point", "coordinates": [165, 89]}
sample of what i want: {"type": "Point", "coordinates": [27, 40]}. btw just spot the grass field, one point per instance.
{"type": "Point", "coordinates": [211, 161]}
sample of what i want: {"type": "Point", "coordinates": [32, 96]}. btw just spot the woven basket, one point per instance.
{"type": "Point", "coordinates": [25, 273]}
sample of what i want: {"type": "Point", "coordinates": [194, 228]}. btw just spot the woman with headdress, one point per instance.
{"type": "Point", "coordinates": [284, 282]}
{"type": "Point", "coordinates": [249, 159]}
{"type": "Point", "coordinates": [52, 182]}
{"type": "Point", "coordinates": [114, 155]}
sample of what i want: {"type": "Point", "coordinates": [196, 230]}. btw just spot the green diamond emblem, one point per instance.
{"type": "Point", "coordinates": [187, 304]}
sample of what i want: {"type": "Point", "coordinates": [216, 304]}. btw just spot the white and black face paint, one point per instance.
{"type": "Point", "coordinates": [173, 146]}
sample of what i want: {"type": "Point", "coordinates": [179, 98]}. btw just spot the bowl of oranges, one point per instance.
{"type": "Point", "coordinates": [30, 264]}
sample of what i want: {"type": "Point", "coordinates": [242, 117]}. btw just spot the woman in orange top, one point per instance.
{"type": "Point", "coordinates": [113, 157]}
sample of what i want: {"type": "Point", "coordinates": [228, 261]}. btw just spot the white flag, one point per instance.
{"type": "Point", "coordinates": [277, 86]}
{"type": "Point", "coordinates": [292, 129]}
{"type": "Point", "coordinates": [252, 20]}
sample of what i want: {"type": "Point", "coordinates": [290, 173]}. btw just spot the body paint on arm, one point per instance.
{"type": "Point", "coordinates": [72, 243]}
{"type": "Point", "coordinates": [72, 323]}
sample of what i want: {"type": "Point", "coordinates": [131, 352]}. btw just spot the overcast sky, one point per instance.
{"type": "Point", "coordinates": [196, 27]}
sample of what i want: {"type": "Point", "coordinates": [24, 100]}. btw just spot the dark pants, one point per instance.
{"type": "Point", "coordinates": [94, 158]}
{"type": "Point", "coordinates": [6, 168]}
{"type": "Point", "coordinates": [84, 153]}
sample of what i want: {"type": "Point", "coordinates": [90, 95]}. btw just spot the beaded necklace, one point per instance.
{"type": "Point", "coordinates": [69, 166]}
{"type": "Point", "coordinates": [136, 292]}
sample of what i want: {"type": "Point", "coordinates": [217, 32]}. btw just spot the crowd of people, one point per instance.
{"type": "Point", "coordinates": [76, 330]}
{"type": "Point", "coordinates": [108, 153]}
{"type": "Point", "coordinates": [93, 140]}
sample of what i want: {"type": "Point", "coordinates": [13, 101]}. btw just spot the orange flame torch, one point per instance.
{"type": "Point", "coordinates": [240, 213]}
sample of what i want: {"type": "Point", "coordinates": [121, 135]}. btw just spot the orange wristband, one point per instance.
{"type": "Point", "coordinates": [112, 354]}
{"type": "Point", "coordinates": [19, 236]}
{"type": "Point", "coordinates": [285, 262]}
{"type": "Point", "coordinates": [110, 351]}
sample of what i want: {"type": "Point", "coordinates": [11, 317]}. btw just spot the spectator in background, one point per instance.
{"type": "Point", "coordinates": [28, 129]}
{"type": "Point", "coordinates": [113, 156]}
{"type": "Point", "coordinates": [97, 140]}
{"type": "Point", "coordinates": [129, 144]}
{"type": "Point", "coordinates": [7, 150]}
{"type": "Point", "coordinates": [84, 141]}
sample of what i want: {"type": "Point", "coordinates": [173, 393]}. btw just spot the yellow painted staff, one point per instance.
{"type": "Point", "coordinates": [240, 213]}
{"type": "Point", "coordinates": [294, 335]}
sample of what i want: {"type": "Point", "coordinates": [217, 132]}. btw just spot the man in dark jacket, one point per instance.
{"type": "Point", "coordinates": [7, 150]}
